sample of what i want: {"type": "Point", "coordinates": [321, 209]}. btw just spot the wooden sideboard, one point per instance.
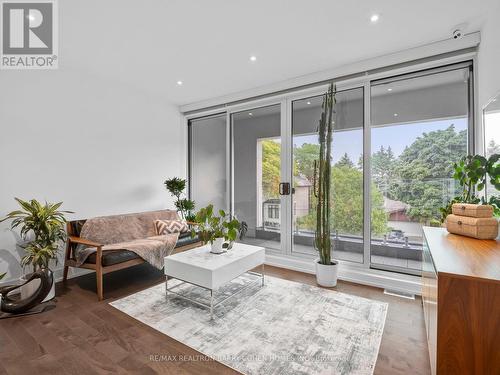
{"type": "Point", "coordinates": [461, 299]}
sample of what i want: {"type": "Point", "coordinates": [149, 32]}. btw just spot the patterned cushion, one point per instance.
{"type": "Point", "coordinates": [170, 226]}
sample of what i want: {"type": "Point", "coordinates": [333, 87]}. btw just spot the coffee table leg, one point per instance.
{"type": "Point", "coordinates": [166, 286]}
{"type": "Point", "coordinates": [211, 304]}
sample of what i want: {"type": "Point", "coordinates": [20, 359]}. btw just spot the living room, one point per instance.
{"type": "Point", "coordinates": [250, 187]}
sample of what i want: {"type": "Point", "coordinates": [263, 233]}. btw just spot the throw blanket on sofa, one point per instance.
{"type": "Point", "coordinates": [133, 232]}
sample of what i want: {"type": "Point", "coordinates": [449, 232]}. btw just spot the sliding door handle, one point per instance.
{"type": "Point", "coordinates": [284, 188]}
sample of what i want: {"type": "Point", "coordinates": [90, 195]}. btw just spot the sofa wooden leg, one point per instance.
{"type": "Point", "coordinates": [98, 275]}
{"type": "Point", "coordinates": [98, 272]}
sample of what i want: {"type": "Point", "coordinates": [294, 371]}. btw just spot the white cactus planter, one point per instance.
{"type": "Point", "coordinates": [326, 275]}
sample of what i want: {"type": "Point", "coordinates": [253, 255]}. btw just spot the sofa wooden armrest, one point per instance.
{"type": "Point", "coordinates": [83, 241]}
{"type": "Point", "coordinates": [70, 262]}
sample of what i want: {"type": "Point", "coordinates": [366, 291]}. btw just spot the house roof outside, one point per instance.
{"type": "Point", "coordinates": [392, 206]}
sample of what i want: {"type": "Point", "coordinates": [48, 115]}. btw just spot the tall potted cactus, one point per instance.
{"type": "Point", "coordinates": [326, 268]}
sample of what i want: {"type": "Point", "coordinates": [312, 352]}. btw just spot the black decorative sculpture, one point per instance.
{"type": "Point", "coordinates": [19, 306]}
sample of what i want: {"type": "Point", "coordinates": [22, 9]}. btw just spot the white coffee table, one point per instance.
{"type": "Point", "coordinates": [210, 271]}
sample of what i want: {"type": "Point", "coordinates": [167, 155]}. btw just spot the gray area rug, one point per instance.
{"type": "Point", "coordinates": [282, 328]}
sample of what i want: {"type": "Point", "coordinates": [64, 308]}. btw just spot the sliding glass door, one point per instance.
{"type": "Point", "coordinates": [419, 128]}
{"type": "Point", "coordinates": [346, 178]}
{"type": "Point", "coordinates": [257, 171]}
{"type": "Point", "coordinates": [394, 143]}
{"type": "Point", "coordinates": [207, 161]}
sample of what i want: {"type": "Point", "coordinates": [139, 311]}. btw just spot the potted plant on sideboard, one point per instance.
{"type": "Point", "coordinates": [42, 228]}
{"type": "Point", "coordinates": [473, 173]}
{"type": "Point", "coordinates": [221, 231]}
{"type": "Point", "coordinates": [326, 267]}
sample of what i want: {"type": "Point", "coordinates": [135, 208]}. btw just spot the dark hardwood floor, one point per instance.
{"type": "Point", "coordinates": [84, 336]}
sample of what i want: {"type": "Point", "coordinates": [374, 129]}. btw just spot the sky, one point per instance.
{"type": "Point", "coordinates": [492, 127]}
{"type": "Point", "coordinates": [396, 136]}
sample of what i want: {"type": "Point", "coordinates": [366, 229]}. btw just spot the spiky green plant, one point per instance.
{"type": "Point", "coordinates": [322, 238]}
{"type": "Point", "coordinates": [42, 227]}
{"type": "Point", "coordinates": [2, 275]}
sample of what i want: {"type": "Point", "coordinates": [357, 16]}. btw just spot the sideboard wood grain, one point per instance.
{"type": "Point", "coordinates": [461, 299]}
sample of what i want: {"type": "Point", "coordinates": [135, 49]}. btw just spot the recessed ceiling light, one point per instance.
{"type": "Point", "coordinates": [389, 89]}
{"type": "Point", "coordinates": [395, 115]}
{"type": "Point", "coordinates": [253, 58]}
{"type": "Point", "coordinates": [308, 103]}
{"type": "Point", "coordinates": [179, 83]}
{"type": "Point", "coordinates": [250, 114]}
{"type": "Point", "coordinates": [374, 18]}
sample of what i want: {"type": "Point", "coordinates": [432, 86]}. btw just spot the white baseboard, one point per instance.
{"type": "Point", "coordinates": [347, 272]}
{"type": "Point", "coordinates": [73, 272]}
{"type": "Point", "coordinates": [58, 275]}
{"type": "Point", "coordinates": [352, 273]}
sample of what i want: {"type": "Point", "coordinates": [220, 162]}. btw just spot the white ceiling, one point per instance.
{"type": "Point", "coordinates": [151, 44]}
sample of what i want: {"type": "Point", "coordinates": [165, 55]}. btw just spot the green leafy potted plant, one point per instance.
{"type": "Point", "coordinates": [42, 228]}
{"type": "Point", "coordinates": [326, 268]}
{"type": "Point", "coordinates": [473, 172]}
{"type": "Point", "coordinates": [220, 231]}
{"type": "Point", "coordinates": [184, 206]}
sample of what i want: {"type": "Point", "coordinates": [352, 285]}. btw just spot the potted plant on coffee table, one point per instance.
{"type": "Point", "coordinates": [220, 231]}
{"type": "Point", "coordinates": [326, 268]}
{"type": "Point", "coordinates": [42, 230]}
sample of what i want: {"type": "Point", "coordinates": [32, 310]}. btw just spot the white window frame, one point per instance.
{"type": "Point", "coordinates": [360, 273]}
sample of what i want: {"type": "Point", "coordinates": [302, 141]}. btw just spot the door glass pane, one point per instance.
{"type": "Point", "coordinates": [347, 174]}
{"type": "Point", "coordinates": [419, 128]}
{"type": "Point", "coordinates": [208, 161]}
{"type": "Point", "coordinates": [256, 152]}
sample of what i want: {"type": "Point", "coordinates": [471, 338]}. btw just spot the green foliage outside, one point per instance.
{"type": "Point", "coordinates": [271, 164]}
{"type": "Point", "coordinates": [347, 204]}
{"type": "Point", "coordinates": [420, 177]}
{"type": "Point", "coordinates": [304, 158]}
{"type": "Point", "coordinates": [382, 164]}
{"type": "Point", "coordinates": [423, 172]}
{"type": "Point", "coordinates": [347, 189]}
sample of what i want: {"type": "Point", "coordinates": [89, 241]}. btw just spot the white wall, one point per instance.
{"type": "Point", "coordinates": [489, 57]}
{"type": "Point", "coordinates": [97, 144]}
